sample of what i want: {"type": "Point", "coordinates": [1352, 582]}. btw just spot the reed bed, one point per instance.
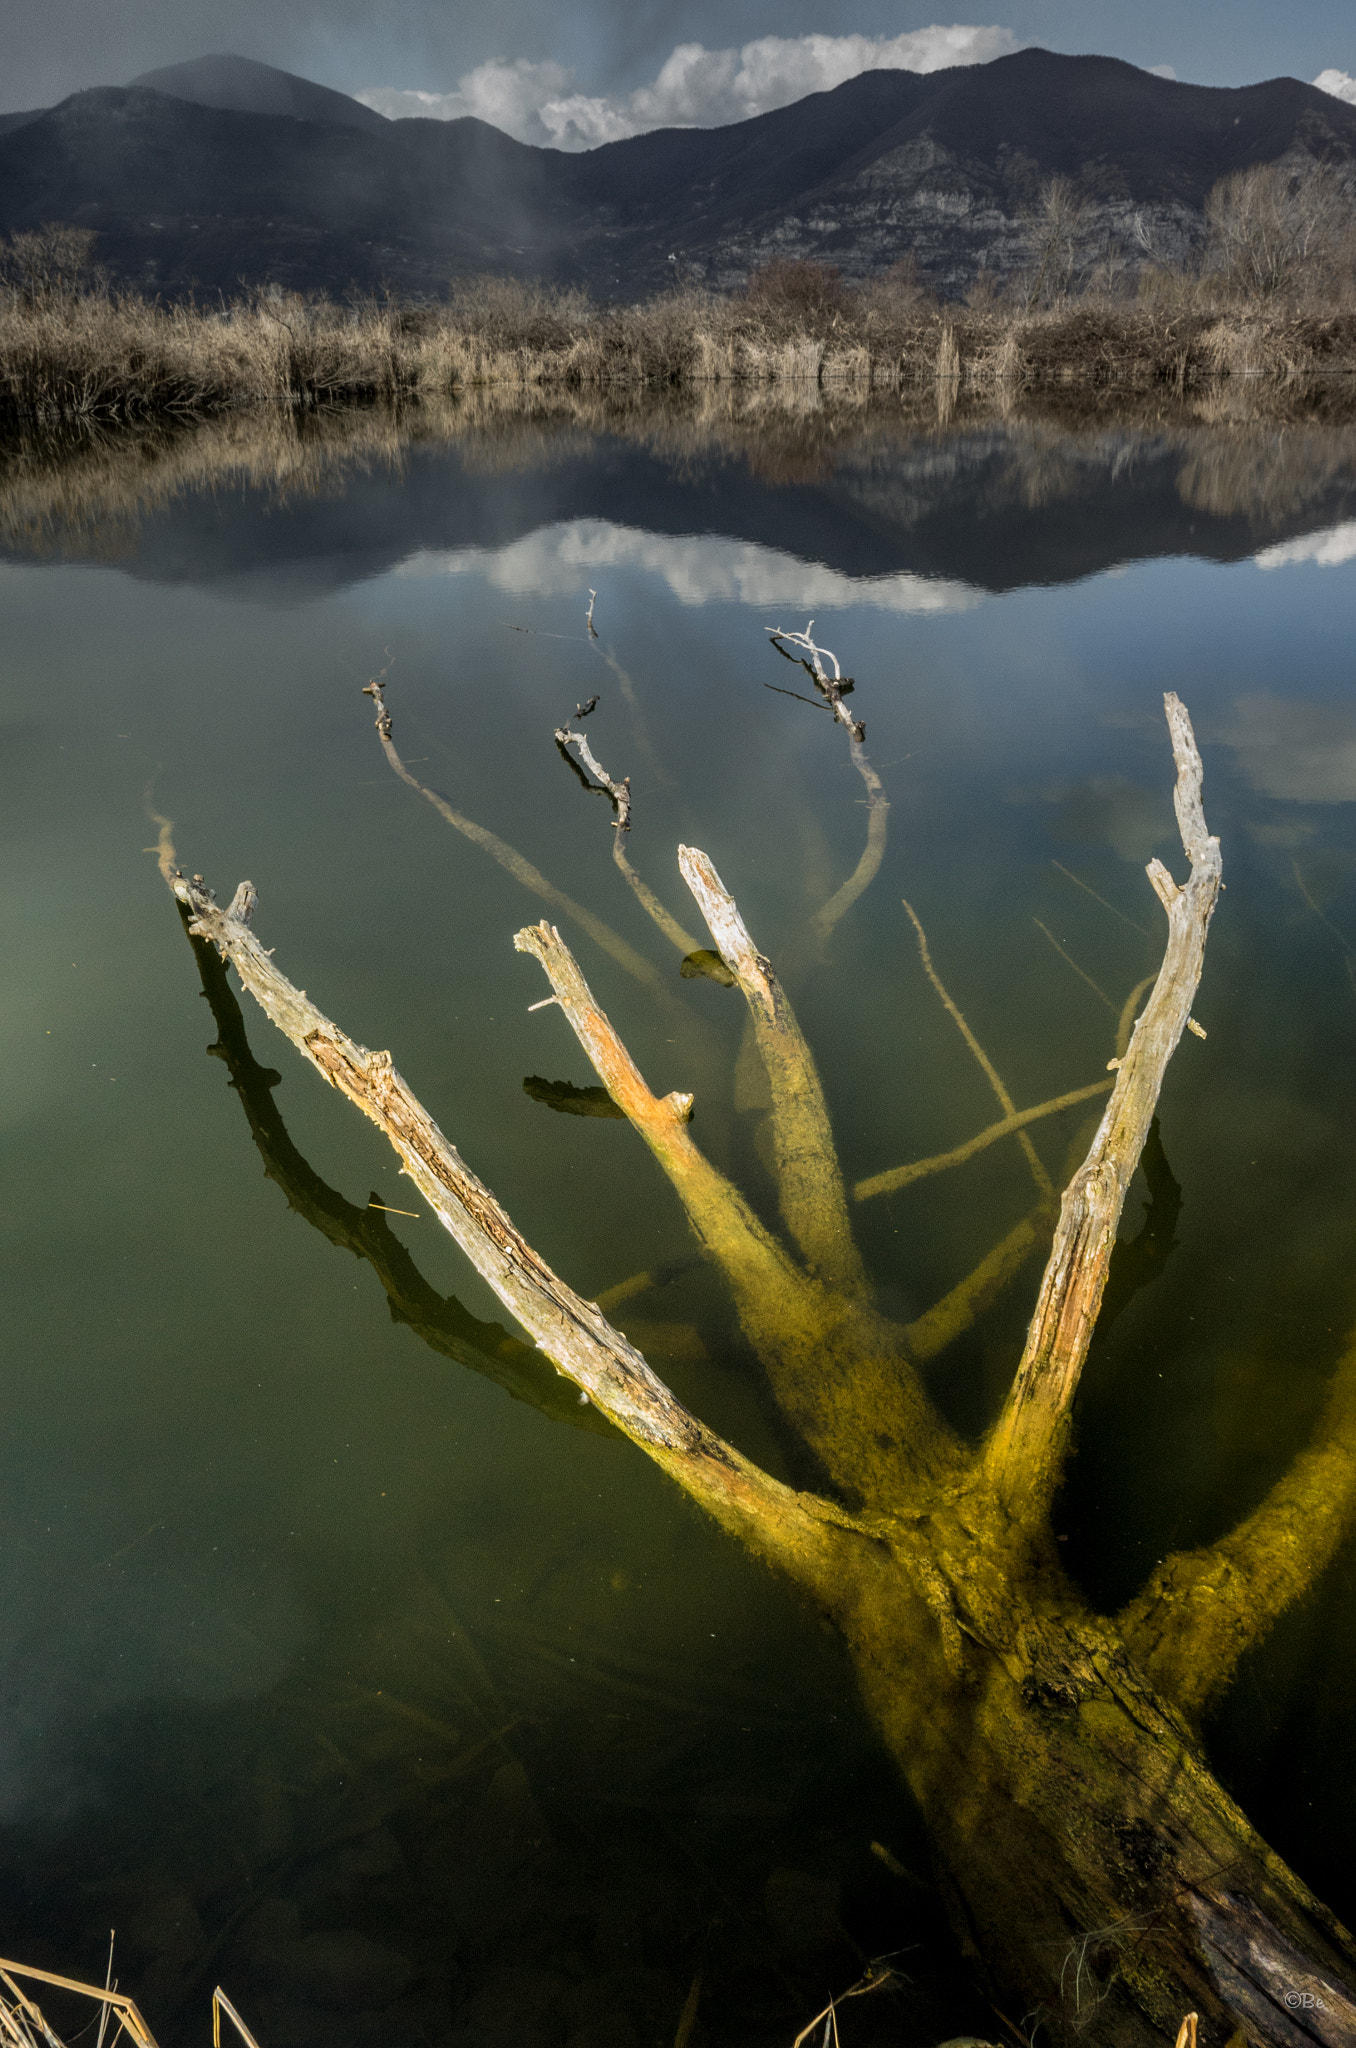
{"type": "Point", "coordinates": [97, 354]}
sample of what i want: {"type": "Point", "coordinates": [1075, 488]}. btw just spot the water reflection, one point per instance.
{"type": "Point", "coordinates": [570, 1100]}
{"type": "Point", "coordinates": [507, 1715]}
{"type": "Point", "coordinates": [904, 512]}
{"type": "Point", "coordinates": [440, 1320]}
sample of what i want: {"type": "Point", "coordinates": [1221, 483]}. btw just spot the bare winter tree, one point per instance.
{"type": "Point", "coordinates": [1275, 231]}
{"type": "Point", "coordinates": [1094, 1866]}
{"type": "Point", "coordinates": [1055, 225]}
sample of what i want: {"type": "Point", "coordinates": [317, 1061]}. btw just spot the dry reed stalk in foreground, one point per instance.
{"type": "Point", "coordinates": [23, 2024]}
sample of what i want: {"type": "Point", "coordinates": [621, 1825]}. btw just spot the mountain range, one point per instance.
{"type": "Point", "coordinates": [206, 176]}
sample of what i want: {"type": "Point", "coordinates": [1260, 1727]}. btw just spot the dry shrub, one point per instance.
{"type": "Point", "coordinates": [508, 312]}
{"type": "Point", "coordinates": [787, 289]}
{"type": "Point", "coordinates": [896, 297]}
{"type": "Point", "coordinates": [1279, 232]}
{"type": "Point", "coordinates": [72, 349]}
{"type": "Point", "coordinates": [46, 266]}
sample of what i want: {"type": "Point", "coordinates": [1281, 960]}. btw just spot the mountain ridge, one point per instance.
{"type": "Point", "coordinates": [243, 86]}
{"type": "Point", "coordinates": [185, 196]}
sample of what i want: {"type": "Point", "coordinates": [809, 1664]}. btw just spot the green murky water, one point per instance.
{"type": "Point", "coordinates": [409, 1711]}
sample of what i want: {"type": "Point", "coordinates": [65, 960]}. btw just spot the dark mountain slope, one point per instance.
{"type": "Point", "coordinates": [239, 85]}
{"type": "Point", "coordinates": [186, 196]}
{"type": "Point", "coordinates": [761, 163]}
{"type": "Point", "coordinates": [954, 157]}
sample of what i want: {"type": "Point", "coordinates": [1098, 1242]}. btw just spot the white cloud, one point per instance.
{"type": "Point", "coordinates": [695, 87]}
{"type": "Point", "coordinates": [1340, 84]}
{"type": "Point", "coordinates": [1328, 549]}
{"type": "Point", "coordinates": [1305, 753]}
{"type": "Point", "coordinates": [698, 569]}
{"type": "Point", "coordinates": [505, 95]}
{"type": "Point", "coordinates": [1162, 71]}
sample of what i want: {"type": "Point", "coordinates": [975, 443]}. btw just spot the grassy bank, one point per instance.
{"type": "Point", "coordinates": [74, 353]}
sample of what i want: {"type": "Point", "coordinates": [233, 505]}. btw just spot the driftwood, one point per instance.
{"type": "Point", "coordinates": [1091, 1860]}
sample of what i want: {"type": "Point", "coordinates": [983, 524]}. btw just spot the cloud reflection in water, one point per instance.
{"type": "Point", "coordinates": [698, 569]}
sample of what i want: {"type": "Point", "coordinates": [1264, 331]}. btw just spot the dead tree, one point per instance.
{"type": "Point", "coordinates": [1055, 224]}
{"type": "Point", "coordinates": [1094, 1867]}
{"type": "Point", "coordinates": [1275, 230]}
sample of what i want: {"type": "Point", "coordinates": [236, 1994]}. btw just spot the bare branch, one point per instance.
{"type": "Point", "coordinates": [960, 1308]}
{"type": "Point", "coordinates": [902, 1176]}
{"type": "Point", "coordinates": [1203, 1610]}
{"type": "Point", "coordinates": [810, 1182]}
{"type": "Point", "coordinates": [840, 1373]}
{"type": "Point", "coordinates": [574, 1334]}
{"type": "Point", "coordinates": [1127, 1020]}
{"type": "Point", "coordinates": [438, 1320]}
{"type": "Point", "coordinates": [1026, 1450]}
{"type": "Point", "coordinates": [832, 690]}
{"type": "Point", "coordinates": [868, 867]}
{"type": "Point", "coordinates": [620, 793]}
{"type": "Point", "coordinates": [1069, 961]}
{"type": "Point", "coordinates": [987, 1067]}
{"type": "Point", "coordinates": [522, 870]}
{"type": "Point", "coordinates": [755, 1264]}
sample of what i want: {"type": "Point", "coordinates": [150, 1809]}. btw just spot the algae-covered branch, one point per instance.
{"type": "Point", "coordinates": [1099, 1874]}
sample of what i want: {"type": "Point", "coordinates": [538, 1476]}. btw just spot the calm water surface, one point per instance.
{"type": "Point", "coordinates": [397, 1696]}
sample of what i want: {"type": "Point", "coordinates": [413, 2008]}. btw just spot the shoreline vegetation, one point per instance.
{"type": "Point", "coordinates": [1268, 453]}
{"type": "Point", "coordinates": [1272, 299]}
{"type": "Point", "coordinates": [90, 485]}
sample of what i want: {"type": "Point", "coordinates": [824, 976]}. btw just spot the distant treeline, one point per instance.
{"type": "Point", "coordinates": [1274, 294]}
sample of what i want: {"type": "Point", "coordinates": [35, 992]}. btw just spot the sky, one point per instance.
{"type": "Point", "coordinates": [582, 71]}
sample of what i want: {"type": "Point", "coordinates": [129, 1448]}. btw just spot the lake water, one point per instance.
{"type": "Point", "coordinates": [399, 1697]}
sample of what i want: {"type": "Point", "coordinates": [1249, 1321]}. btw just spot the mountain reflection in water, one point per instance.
{"type": "Point", "coordinates": [340, 1677]}
{"type": "Point", "coordinates": [865, 492]}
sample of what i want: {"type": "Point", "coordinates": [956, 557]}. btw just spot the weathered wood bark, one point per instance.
{"type": "Point", "coordinates": [1027, 1446]}
{"type": "Point", "coordinates": [1103, 1879]}
{"type": "Point", "coordinates": [813, 1198]}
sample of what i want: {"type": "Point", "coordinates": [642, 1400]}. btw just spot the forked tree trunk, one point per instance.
{"type": "Point", "coordinates": [1102, 1879]}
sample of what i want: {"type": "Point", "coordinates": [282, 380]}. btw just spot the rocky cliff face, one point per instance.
{"type": "Point", "coordinates": [945, 167]}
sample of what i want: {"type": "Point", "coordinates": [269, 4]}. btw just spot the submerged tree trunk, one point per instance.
{"type": "Point", "coordinates": [1097, 1872]}
{"type": "Point", "coordinates": [1095, 1869]}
